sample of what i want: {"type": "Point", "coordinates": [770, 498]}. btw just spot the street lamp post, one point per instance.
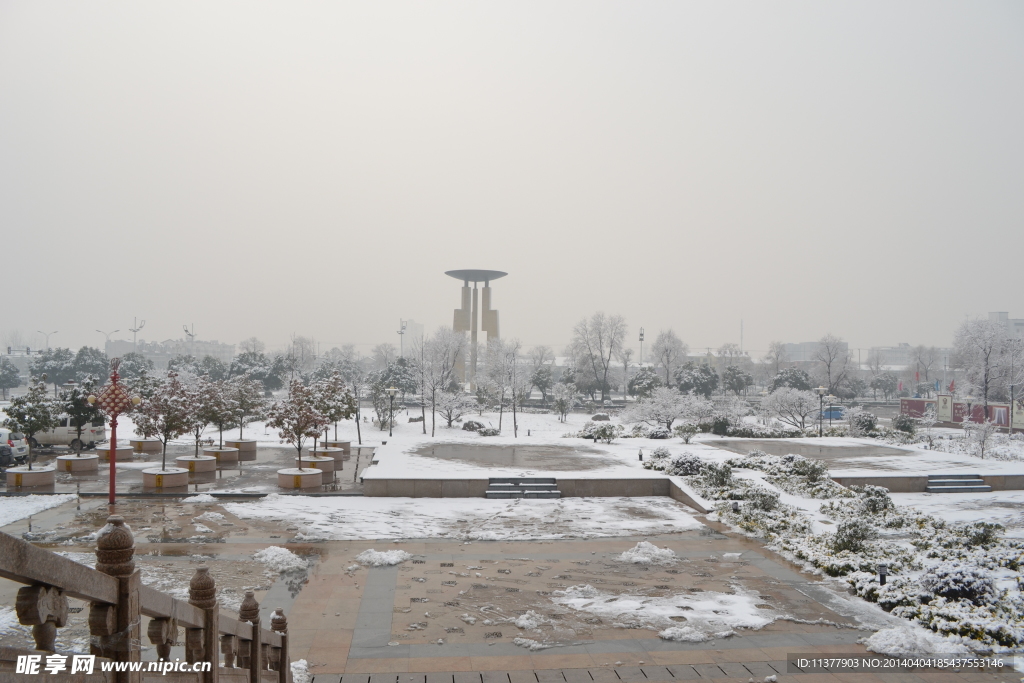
{"type": "Point", "coordinates": [641, 347]}
{"type": "Point", "coordinates": [107, 335]}
{"type": "Point", "coordinates": [831, 400]}
{"type": "Point", "coordinates": [401, 337]}
{"type": "Point", "coordinates": [391, 401]}
{"type": "Point", "coordinates": [821, 409]}
{"type": "Point", "coordinates": [113, 399]}
{"type": "Point", "coordinates": [47, 335]}
{"type": "Point", "coordinates": [135, 330]}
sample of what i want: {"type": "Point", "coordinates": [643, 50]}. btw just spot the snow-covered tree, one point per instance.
{"type": "Point", "coordinates": [668, 352]}
{"type": "Point", "coordinates": [664, 406]}
{"type": "Point", "coordinates": [794, 378]}
{"type": "Point", "coordinates": [563, 398]}
{"type": "Point", "coordinates": [90, 362]}
{"type": "Point", "coordinates": [542, 380]}
{"type": "Point", "coordinates": [792, 406]}
{"type": "Point", "coordinates": [252, 345]}
{"type": "Point", "coordinates": [643, 383]}
{"type": "Point", "coordinates": [453, 405]}
{"type": "Point", "coordinates": [31, 413]}
{"type": "Point", "coordinates": [735, 380]}
{"type": "Point", "coordinates": [57, 364]}
{"type": "Point", "coordinates": [132, 366]}
{"type": "Point", "coordinates": [218, 407]}
{"type": "Point", "coordinates": [384, 355]}
{"type": "Point", "coordinates": [73, 401]}
{"type": "Point", "coordinates": [335, 400]}
{"type": "Point", "coordinates": [596, 340]}
{"type": "Point", "coordinates": [296, 417]}
{"type": "Point", "coordinates": [205, 399]}
{"type": "Point", "coordinates": [699, 378]}
{"type": "Point", "coordinates": [977, 347]}
{"type": "Point", "coordinates": [980, 433]}
{"type": "Point", "coordinates": [926, 359]}
{"type": "Point", "coordinates": [167, 413]}
{"type": "Point", "coordinates": [441, 354]}
{"type": "Point", "coordinates": [886, 382]}
{"type": "Point", "coordinates": [625, 356]}
{"type": "Point", "coordinates": [353, 370]}
{"type": "Point", "coordinates": [270, 372]}
{"type": "Point", "coordinates": [246, 397]}
{"type": "Point", "coordinates": [214, 368]}
{"type": "Point", "coordinates": [927, 423]}
{"type": "Point", "coordinates": [10, 378]}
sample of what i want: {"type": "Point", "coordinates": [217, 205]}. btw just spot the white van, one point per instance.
{"type": "Point", "coordinates": [64, 434]}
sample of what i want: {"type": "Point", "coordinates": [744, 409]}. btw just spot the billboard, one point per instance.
{"type": "Point", "coordinates": [915, 407]}
{"type": "Point", "coordinates": [1018, 414]}
{"type": "Point", "coordinates": [944, 408]}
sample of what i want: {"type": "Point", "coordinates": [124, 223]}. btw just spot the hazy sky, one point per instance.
{"type": "Point", "coordinates": [309, 168]}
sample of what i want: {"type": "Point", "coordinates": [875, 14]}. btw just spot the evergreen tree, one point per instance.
{"type": "Point", "coordinates": [31, 413]}
{"type": "Point", "coordinates": [10, 378]}
{"type": "Point", "coordinates": [57, 364]}
{"type": "Point", "coordinates": [793, 378]}
{"type": "Point", "coordinates": [698, 378]}
{"type": "Point", "coordinates": [90, 362]}
{"type": "Point", "coordinates": [74, 402]}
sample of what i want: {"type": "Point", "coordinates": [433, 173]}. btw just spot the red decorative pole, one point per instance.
{"type": "Point", "coordinates": [114, 400]}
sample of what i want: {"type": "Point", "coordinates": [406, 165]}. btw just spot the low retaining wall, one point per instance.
{"type": "Point", "coordinates": [919, 483]}
{"type": "Point", "coordinates": [477, 488]}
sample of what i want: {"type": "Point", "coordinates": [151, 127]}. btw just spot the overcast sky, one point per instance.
{"type": "Point", "coordinates": [307, 168]}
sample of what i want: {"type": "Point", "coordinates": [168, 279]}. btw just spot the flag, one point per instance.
{"type": "Point", "coordinates": [917, 377]}
{"type": "Point", "coordinates": [936, 385]}
{"type": "Point", "coordinates": [952, 385]}
{"type": "Point", "coordinates": [900, 387]}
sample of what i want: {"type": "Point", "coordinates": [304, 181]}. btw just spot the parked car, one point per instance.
{"type": "Point", "coordinates": [64, 434]}
{"type": "Point", "coordinates": [15, 444]}
{"type": "Point", "coordinates": [833, 413]}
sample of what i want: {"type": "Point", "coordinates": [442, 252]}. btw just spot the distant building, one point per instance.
{"type": "Point", "coordinates": [162, 352]}
{"type": "Point", "coordinates": [1014, 326]}
{"type": "Point", "coordinates": [413, 336]}
{"type": "Point", "coordinates": [803, 352]}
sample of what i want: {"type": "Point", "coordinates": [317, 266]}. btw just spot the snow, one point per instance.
{"type": "Point", "coordinates": [300, 672]}
{"type": "Point", "coordinates": [203, 529]}
{"type": "Point", "coordinates": [688, 634]}
{"type": "Point", "coordinates": [911, 640]}
{"type": "Point", "coordinates": [356, 518]}
{"type": "Point", "coordinates": [648, 553]}
{"type": "Point", "coordinates": [530, 644]}
{"type": "Point", "coordinates": [712, 614]}
{"type": "Point", "coordinates": [8, 620]}
{"type": "Point", "coordinates": [212, 516]}
{"type": "Point", "coordinates": [279, 559]}
{"type": "Point", "coordinates": [385, 558]}
{"type": "Point", "coordinates": [531, 620]}
{"type": "Point", "coordinates": [13, 508]}
{"type": "Point", "coordinates": [201, 498]}
{"type": "Point", "coordinates": [1001, 507]}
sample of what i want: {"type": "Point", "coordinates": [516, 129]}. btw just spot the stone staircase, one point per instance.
{"type": "Point", "coordinates": [957, 483]}
{"type": "Point", "coordinates": [511, 487]}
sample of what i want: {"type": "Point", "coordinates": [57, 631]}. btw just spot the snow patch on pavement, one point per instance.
{"type": "Point", "coordinates": [382, 558]}
{"type": "Point", "coordinates": [13, 508]}
{"type": "Point", "coordinates": [648, 553]}
{"type": "Point", "coordinates": [279, 559]}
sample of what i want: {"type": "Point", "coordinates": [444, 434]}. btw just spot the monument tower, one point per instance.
{"type": "Point", "coordinates": [467, 316]}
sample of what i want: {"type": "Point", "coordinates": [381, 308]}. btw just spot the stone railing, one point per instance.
{"type": "Point", "coordinates": [238, 650]}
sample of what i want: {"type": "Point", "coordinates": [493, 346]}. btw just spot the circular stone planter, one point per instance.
{"type": "Point", "coordinates": [146, 445]}
{"type": "Point", "coordinates": [345, 446]}
{"type": "Point", "coordinates": [197, 463]}
{"type": "Point", "coordinates": [325, 465]}
{"type": "Point", "coordinates": [294, 478]}
{"type": "Point", "coordinates": [172, 477]}
{"type": "Point", "coordinates": [335, 454]}
{"type": "Point", "coordinates": [122, 454]}
{"type": "Point", "coordinates": [87, 463]}
{"type": "Point", "coordinates": [224, 456]}
{"type": "Point", "coordinates": [37, 476]}
{"type": "Point", "coordinates": [246, 448]}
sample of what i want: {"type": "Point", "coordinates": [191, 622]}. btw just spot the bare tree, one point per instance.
{"type": "Point", "coordinates": [791, 406]}
{"type": "Point", "coordinates": [384, 355]}
{"type": "Point", "coordinates": [441, 353]}
{"type": "Point", "coordinates": [834, 357]}
{"type": "Point", "coordinates": [625, 355]}
{"type": "Point", "coordinates": [541, 355]}
{"type": "Point", "coordinates": [926, 358]}
{"type": "Point", "coordinates": [977, 347]}
{"type": "Point", "coordinates": [252, 345]}
{"type": "Point", "coordinates": [597, 339]}
{"type": "Point", "coordinates": [669, 351]}
{"type": "Point", "coordinates": [776, 356]}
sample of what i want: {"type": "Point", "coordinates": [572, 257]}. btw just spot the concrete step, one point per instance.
{"type": "Point", "coordinates": [953, 476]}
{"type": "Point", "coordinates": [504, 494]}
{"type": "Point", "coordinates": [542, 494]}
{"type": "Point", "coordinates": [521, 480]}
{"type": "Point", "coordinates": [977, 488]}
{"type": "Point", "coordinates": [955, 482]}
{"type": "Point", "coordinates": [522, 487]}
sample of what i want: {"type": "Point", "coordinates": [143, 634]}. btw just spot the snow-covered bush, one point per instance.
{"type": "Point", "coordinates": [761, 498]}
{"type": "Point", "coordinates": [852, 535]}
{"type": "Point", "coordinates": [904, 423]}
{"type": "Point", "coordinates": [683, 465]}
{"type": "Point", "coordinates": [861, 422]}
{"type": "Point", "coordinates": [955, 581]}
{"type": "Point", "coordinates": [715, 475]}
{"type": "Point", "coordinates": [660, 453]}
{"type": "Point", "coordinates": [605, 432]}
{"type": "Point", "coordinates": [875, 499]}
{"type": "Point", "coordinates": [488, 431]}
{"type": "Point", "coordinates": [685, 431]}
{"type": "Point", "coordinates": [794, 474]}
{"type": "Point", "coordinates": [601, 417]}
{"type": "Point", "coordinates": [472, 426]}
{"type": "Point", "coordinates": [659, 433]}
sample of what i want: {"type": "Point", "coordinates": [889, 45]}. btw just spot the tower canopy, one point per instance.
{"type": "Point", "coordinates": [475, 275]}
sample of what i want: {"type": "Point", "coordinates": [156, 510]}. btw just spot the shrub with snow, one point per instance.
{"type": "Point", "coordinates": [279, 559]}
{"type": "Point", "coordinates": [659, 433]}
{"type": "Point", "coordinates": [852, 535]}
{"type": "Point", "coordinates": [660, 453]}
{"type": "Point", "coordinates": [601, 417]}
{"type": "Point", "coordinates": [385, 558]}
{"type": "Point", "coordinates": [717, 475]}
{"type": "Point", "coordinates": [686, 431]}
{"type": "Point", "coordinates": [472, 426]}
{"type": "Point", "coordinates": [683, 465]}
{"type": "Point", "coordinates": [956, 581]}
{"type": "Point", "coordinates": [488, 431]}
{"type": "Point", "coordinates": [761, 498]}
{"type": "Point", "coordinates": [648, 553]}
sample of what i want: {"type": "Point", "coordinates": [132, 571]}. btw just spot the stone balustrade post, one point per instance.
{"type": "Point", "coordinates": [117, 629]}
{"type": "Point", "coordinates": [250, 611]}
{"type": "Point", "coordinates": [279, 624]}
{"type": "Point", "coordinates": [45, 609]}
{"type": "Point", "coordinates": [202, 593]}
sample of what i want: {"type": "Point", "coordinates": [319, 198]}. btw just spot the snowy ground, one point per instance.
{"type": "Point", "coordinates": [345, 518]}
{"type": "Point", "coordinates": [1001, 507]}
{"type": "Point", "coordinates": [13, 508]}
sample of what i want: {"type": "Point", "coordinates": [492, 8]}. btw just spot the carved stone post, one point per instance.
{"type": "Point", "coordinates": [45, 609]}
{"type": "Point", "coordinates": [228, 648]}
{"type": "Point", "coordinates": [279, 623]}
{"type": "Point", "coordinates": [202, 593]}
{"type": "Point", "coordinates": [250, 612]}
{"type": "Point", "coordinates": [118, 629]}
{"type": "Point", "coordinates": [163, 633]}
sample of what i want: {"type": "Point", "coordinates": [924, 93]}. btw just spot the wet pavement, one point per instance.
{"type": "Point", "coordinates": [533, 457]}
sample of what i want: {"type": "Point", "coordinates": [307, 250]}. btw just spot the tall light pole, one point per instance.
{"type": "Point", "coordinates": [641, 347]}
{"type": "Point", "coordinates": [135, 330]}
{"type": "Point", "coordinates": [391, 400]}
{"type": "Point", "coordinates": [401, 337]}
{"type": "Point", "coordinates": [47, 335]}
{"type": "Point", "coordinates": [821, 408]}
{"type": "Point", "coordinates": [107, 335]}
{"type": "Point", "coordinates": [192, 338]}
